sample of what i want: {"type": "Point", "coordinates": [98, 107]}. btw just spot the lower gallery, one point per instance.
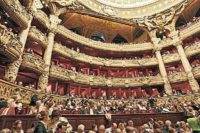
{"type": "Point", "coordinates": [99, 66]}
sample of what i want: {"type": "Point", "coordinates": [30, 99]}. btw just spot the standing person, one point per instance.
{"type": "Point", "coordinates": [41, 126]}
{"type": "Point", "coordinates": [194, 124]}
{"type": "Point", "coordinates": [17, 127]}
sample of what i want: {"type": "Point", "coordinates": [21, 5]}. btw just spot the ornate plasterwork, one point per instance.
{"type": "Point", "coordinates": [194, 49]}
{"type": "Point", "coordinates": [168, 58]}
{"type": "Point", "coordinates": [10, 45]}
{"type": "Point", "coordinates": [69, 75]}
{"type": "Point", "coordinates": [160, 20]}
{"type": "Point", "coordinates": [16, 11]}
{"type": "Point", "coordinates": [196, 71]}
{"type": "Point", "coordinates": [34, 62]}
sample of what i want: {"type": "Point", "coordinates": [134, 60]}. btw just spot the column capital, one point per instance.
{"type": "Point", "coordinates": [54, 20]}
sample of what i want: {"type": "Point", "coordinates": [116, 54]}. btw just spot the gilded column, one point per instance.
{"type": "Point", "coordinates": [12, 69]}
{"type": "Point", "coordinates": [186, 64]}
{"type": "Point", "coordinates": [43, 79]}
{"type": "Point", "coordinates": [155, 40]}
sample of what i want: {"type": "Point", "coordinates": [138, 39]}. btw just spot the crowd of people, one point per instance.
{"type": "Point", "coordinates": [190, 104]}
{"type": "Point", "coordinates": [55, 123]}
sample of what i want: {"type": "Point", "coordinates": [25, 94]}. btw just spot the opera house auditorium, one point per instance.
{"type": "Point", "coordinates": [99, 66]}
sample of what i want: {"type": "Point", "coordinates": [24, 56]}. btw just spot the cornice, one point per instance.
{"type": "Point", "coordinates": [38, 36]}
{"type": "Point", "coordinates": [33, 62]}
{"type": "Point", "coordinates": [59, 48]}
{"type": "Point", "coordinates": [69, 75]}
{"type": "Point", "coordinates": [10, 46]}
{"type": "Point", "coordinates": [176, 77]}
{"type": "Point", "coordinates": [16, 11]}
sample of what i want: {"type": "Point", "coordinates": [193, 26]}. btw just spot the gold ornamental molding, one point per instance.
{"type": "Point", "coordinates": [10, 46]}
{"type": "Point", "coordinates": [33, 62]}
{"type": "Point", "coordinates": [168, 58]}
{"type": "Point", "coordinates": [63, 50]}
{"type": "Point", "coordinates": [190, 29]}
{"type": "Point", "coordinates": [196, 71]}
{"type": "Point", "coordinates": [16, 11]}
{"type": "Point", "coordinates": [192, 50]}
{"type": "Point", "coordinates": [38, 36]}
{"type": "Point", "coordinates": [69, 75]}
{"type": "Point", "coordinates": [175, 77]}
{"type": "Point", "coordinates": [127, 47]}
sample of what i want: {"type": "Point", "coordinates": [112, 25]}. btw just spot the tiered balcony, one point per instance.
{"type": "Point", "coordinates": [38, 36]}
{"type": "Point", "coordinates": [10, 45]}
{"type": "Point", "coordinates": [69, 75]}
{"type": "Point", "coordinates": [16, 11]}
{"type": "Point", "coordinates": [33, 62]}
{"type": "Point", "coordinates": [59, 48]}
{"type": "Point", "coordinates": [103, 46]}
{"type": "Point", "coordinates": [176, 77]}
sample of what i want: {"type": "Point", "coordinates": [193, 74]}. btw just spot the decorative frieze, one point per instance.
{"type": "Point", "coordinates": [69, 75]}
{"type": "Point", "coordinates": [196, 71]}
{"type": "Point", "coordinates": [42, 18]}
{"type": "Point", "coordinates": [10, 46]}
{"type": "Point", "coordinates": [194, 49]}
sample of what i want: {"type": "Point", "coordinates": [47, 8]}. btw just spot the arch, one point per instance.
{"type": "Point", "coordinates": [76, 30]}
{"type": "Point", "coordinates": [181, 21]}
{"type": "Point", "coordinates": [119, 39]}
{"type": "Point", "coordinates": [198, 13]}
{"type": "Point", "coordinates": [98, 36]}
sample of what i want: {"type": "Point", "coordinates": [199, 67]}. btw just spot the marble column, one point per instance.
{"type": "Point", "coordinates": [186, 64]}
{"type": "Point", "coordinates": [12, 69]}
{"type": "Point", "coordinates": [43, 79]}
{"type": "Point", "coordinates": [167, 86]}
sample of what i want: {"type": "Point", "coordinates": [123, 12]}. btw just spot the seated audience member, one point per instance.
{"type": "Point", "coordinates": [5, 130]}
{"type": "Point", "coordinates": [17, 127]}
{"type": "Point", "coordinates": [101, 129]}
{"type": "Point", "coordinates": [62, 127]}
{"type": "Point", "coordinates": [194, 123]}
{"type": "Point", "coordinates": [81, 128]}
{"type": "Point", "coordinates": [94, 129]}
{"type": "Point", "coordinates": [41, 126]}
{"type": "Point", "coordinates": [112, 128]}
{"type": "Point", "coordinates": [10, 108]}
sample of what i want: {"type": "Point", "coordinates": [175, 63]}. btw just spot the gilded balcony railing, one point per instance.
{"type": "Point", "coordinates": [175, 77]}
{"type": "Point", "coordinates": [168, 58]}
{"type": "Point", "coordinates": [38, 36]}
{"type": "Point", "coordinates": [17, 12]}
{"type": "Point", "coordinates": [194, 49]}
{"type": "Point", "coordinates": [33, 62]}
{"type": "Point", "coordinates": [196, 71]}
{"type": "Point", "coordinates": [69, 75]}
{"type": "Point", "coordinates": [59, 48]}
{"type": "Point", "coordinates": [10, 45]}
